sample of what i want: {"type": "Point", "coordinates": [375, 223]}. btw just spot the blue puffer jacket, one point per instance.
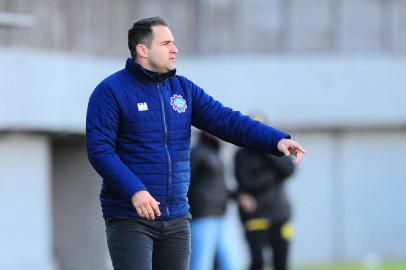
{"type": "Point", "coordinates": [138, 131]}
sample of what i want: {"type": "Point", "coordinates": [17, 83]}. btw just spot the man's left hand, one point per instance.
{"type": "Point", "coordinates": [290, 147]}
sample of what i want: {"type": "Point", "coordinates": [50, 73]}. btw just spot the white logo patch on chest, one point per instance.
{"type": "Point", "coordinates": [143, 106]}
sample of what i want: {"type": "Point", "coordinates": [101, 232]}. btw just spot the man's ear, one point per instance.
{"type": "Point", "coordinates": [141, 50]}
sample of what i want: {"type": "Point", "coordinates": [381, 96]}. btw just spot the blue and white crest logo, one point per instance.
{"type": "Point", "coordinates": [178, 103]}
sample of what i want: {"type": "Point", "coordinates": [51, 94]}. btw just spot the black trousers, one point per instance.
{"type": "Point", "coordinates": [138, 244]}
{"type": "Point", "coordinates": [276, 236]}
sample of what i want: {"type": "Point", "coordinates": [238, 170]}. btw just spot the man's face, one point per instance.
{"type": "Point", "coordinates": [162, 53]}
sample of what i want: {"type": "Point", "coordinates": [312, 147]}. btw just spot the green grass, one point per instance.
{"type": "Point", "coordinates": [392, 266]}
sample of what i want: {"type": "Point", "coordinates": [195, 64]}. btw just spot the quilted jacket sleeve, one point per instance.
{"type": "Point", "coordinates": [232, 126]}
{"type": "Point", "coordinates": [102, 124]}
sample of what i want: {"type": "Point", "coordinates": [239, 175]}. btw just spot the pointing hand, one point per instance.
{"type": "Point", "coordinates": [290, 147]}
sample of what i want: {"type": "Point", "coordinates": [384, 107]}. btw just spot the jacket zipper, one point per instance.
{"type": "Point", "coordinates": [167, 150]}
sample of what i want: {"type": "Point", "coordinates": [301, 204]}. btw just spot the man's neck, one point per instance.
{"type": "Point", "coordinates": [146, 65]}
{"type": "Point", "coordinates": [135, 66]}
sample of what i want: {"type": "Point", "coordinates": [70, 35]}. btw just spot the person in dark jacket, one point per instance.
{"type": "Point", "coordinates": [208, 197]}
{"type": "Point", "coordinates": [138, 129]}
{"type": "Point", "coordinates": [264, 207]}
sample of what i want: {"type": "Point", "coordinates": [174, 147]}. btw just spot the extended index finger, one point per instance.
{"type": "Point", "coordinates": [300, 148]}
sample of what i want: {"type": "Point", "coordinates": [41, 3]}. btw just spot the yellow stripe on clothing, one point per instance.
{"type": "Point", "coordinates": [287, 231]}
{"type": "Point", "coordinates": [257, 224]}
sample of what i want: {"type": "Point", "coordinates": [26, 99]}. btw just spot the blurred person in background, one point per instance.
{"type": "Point", "coordinates": [138, 130]}
{"type": "Point", "coordinates": [208, 196]}
{"type": "Point", "coordinates": [264, 207]}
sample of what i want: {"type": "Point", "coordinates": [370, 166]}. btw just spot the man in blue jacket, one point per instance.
{"type": "Point", "coordinates": [138, 131]}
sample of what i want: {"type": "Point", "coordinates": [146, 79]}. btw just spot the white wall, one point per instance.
{"type": "Point", "coordinates": [348, 196]}
{"type": "Point", "coordinates": [50, 91]}
{"type": "Point", "coordinates": [373, 189]}
{"type": "Point", "coordinates": [79, 232]}
{"type": "Point", "coordinates": [25, 199]}
{"type": "Point", "coordinates": [311, 190]}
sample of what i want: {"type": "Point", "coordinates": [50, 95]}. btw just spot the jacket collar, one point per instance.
{"type": "Point", "coordinates": [145, 74]}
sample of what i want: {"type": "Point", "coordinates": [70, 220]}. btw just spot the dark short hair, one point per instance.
{"type": "Point", "coordinates": [141, 32]}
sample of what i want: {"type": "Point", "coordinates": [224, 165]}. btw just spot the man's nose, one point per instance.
{"type": "Point", "coordinates": [173, 49]}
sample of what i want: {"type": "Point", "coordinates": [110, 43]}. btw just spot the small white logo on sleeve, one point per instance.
{"type": "Point", "coordinates": [143, 106]}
